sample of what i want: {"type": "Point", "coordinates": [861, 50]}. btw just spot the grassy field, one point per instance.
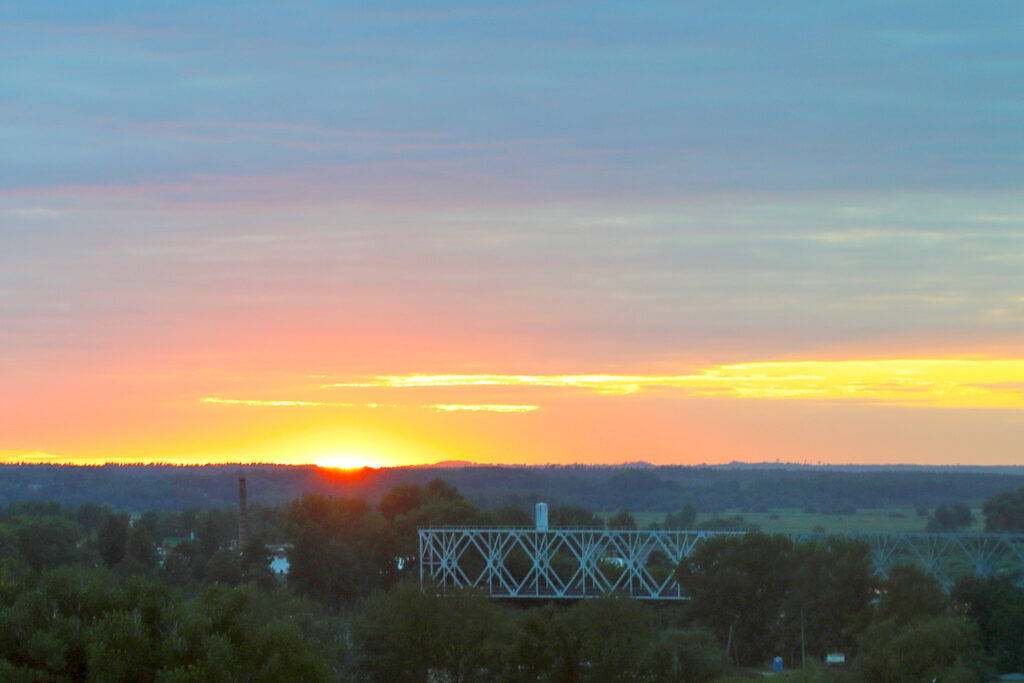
{"type": "Point", "coordinates": [795, 520]}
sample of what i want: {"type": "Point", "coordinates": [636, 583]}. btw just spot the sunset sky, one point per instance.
{"type": "Point", "coordinates": [512, 232]}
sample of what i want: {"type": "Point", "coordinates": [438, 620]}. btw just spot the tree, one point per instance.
{"type": "Point", "coordinates": [910, 593]}
{"type": "Point", "coordinates": [112, 539]}
{"type": "Point", "coordinates": [605, 639]}
{"type": "Point", "coordinates": [950, 518]}
{"type": "Point", "coordinates": [621, 520]}
{"type": "Point", "coordinates": [401, 500]}
{"type": "Point", "coordinates": [255, 563]}
{"type": "Point", "coordinates": [79, 624]}
{"type": "Point", "coordinates": [90, 515]}
{"type": "Point", "coordinates": [569, 516]}
{"type": "Point", "coordinates": [512, 515]}
{"type": "Point", "coordinates": [215, 528]}
{"type": "Point", "coordinates": [341, 549]}
{"type": "Point", "coordinates": [996, 606]}
{"type": "Point", "coordinates": [404, 634]}
{"type": "Point", "coordinates": [686, 518]}
{"type": "Point", "coordinates": [436, 504]}
{"type": "Point", "coordinates": [151, 520]}
{"type": "Point", "coordinates": [140, 548]}
{"type": "Point", "coordinates": [828, 603]}
{"type": "Point", "coordinates": [930, 649]}
{"type": "Point", "coordinates": [737, 587]}
{"type": "Point", "coordinates": [692, 655]}
{"type": "Point", "coordinates": [47, 541]}
{"type": "Point", "coordinates": [1004, 511]}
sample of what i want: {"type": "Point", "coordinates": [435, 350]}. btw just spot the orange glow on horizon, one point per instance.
{"type": "Point", "coordinates": [347, 422]}
{"type": "Point", "coordinates": [347, 461]}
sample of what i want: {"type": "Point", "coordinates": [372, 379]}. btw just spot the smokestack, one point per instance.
{"type": "Point", "coordinates": [243, 515]}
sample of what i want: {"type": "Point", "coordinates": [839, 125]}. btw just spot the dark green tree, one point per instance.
{"type": "Point", "coordinates": [929, 649]}
{"type": "Point", "coordinates": [738, 586]}
{"type": "Point", "coordinates": [686, 518]}
{"type": "Point", "coordinates": [139, 547]}
{"type": "Point", "coordinates": [342, 549]}
{"type": "Point", "coordinates": [401, 500]}
{"type": "Point", "coordinates": [622, 519]}
{"type": "Point", "coordinates": [1004, 512]}
{"type": "Point", "coordinates": [605, 639]}
{"type": "Point", "coordinates": [405, 634]}
{"type": "Point", "coordinates": [567, 516]}
{"type": "Point", "coordinates": [224, 568]}
{"type": "Point", "coordinates": [692, 655]}
{"type": "Point", "coordinates": [255, 563]}
{"type": "Point", "coordinates": [996, 606]}
{"type": "Point", "coordinates": [47, 541]}
{"type": "Point", "coordinates": [215, 529]}
{"type": "Point", "coordinates": [439, 504]}
{"type": "Point", "coordinates": [512, 515]}
{"type": "Point", "coordinates": [910, 593]}
{"type": "Point", "coordinates": [91, 515]}
{"type": "Point", "coordinates": [112, 539]}
{"type": "Point", "coordinates": [78, 624]}
{"type": "Point", "coordinates": [950, 518]}
{"type": "Point", "coordinates": [151, 520]}
{"type": "Point", "coordinates": [828, 602]}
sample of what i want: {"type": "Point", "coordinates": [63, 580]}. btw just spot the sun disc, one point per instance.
{"type": "Point", "coordinates": [346, 461]}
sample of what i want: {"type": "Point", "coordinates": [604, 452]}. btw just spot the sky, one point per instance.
{"type": "Point", "coordinates": [512, 232]}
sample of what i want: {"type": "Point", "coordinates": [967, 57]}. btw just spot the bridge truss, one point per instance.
{"type": "Point", "coordinates": [580, 563]}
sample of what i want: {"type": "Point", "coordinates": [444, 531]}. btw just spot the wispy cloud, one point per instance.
{"type": "Point", "coordinates": [33, 456]}
{"type": "Point", "coordinates": [483, 408]}
{"type": "Point", "coordinates": [437, 407]}
{"type": "Point", "coordinates": [606, 384]}
{"type": "Point", "coordinates": [285, 403]}
{"type": "Point", "coordinates": [951, 383]}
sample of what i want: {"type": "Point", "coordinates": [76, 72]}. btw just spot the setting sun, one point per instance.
{"type": "Point", "coordinates": [348, 461]}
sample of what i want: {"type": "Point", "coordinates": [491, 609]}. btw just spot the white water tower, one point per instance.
{"type": "Point", "coordinates": [542, 516]}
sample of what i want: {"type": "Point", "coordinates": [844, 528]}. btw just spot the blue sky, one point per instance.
{"type": "Point", "coordinates": [544, 99]}
{"type": "Point", "coordinates": [505, 187]}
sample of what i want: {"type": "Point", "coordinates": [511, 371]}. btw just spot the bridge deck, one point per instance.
{"type": "Point", "coordinates": [580, 563]}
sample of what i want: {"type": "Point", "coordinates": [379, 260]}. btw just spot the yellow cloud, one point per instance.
{"type": "Point", "coordinates": [948, 383]}
{"type": "Point", "coordinates": [605, 384]}
{"type": "Point", "coordinates": [482, 407]}
{"type": "Point", "coordinates": [919, 382]}
{"type": "Point", "coordinates": [439, 407]}
{"type": "Point", "coordinates": [28, 457]}
{"type": "Point", "coordinates": [299, 404]}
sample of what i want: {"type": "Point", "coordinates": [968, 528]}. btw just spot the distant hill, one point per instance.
{"type": "Point", "coordinates": [637, 486]}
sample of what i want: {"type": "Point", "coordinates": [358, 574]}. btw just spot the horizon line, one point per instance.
{"type": "Point", "coordinates": [466, 464]}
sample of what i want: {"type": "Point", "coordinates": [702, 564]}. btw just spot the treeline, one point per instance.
{"type": "Point", "coordinates": [91, 593]}
{"type": "Point", "coordinates": [709, 489]}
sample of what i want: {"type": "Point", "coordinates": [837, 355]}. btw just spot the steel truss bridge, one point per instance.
{"type": "Point", "coordinates": [580, 563]}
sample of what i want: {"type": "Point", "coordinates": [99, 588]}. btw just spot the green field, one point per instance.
{"type": "Point", "coordinates": [785, 520]}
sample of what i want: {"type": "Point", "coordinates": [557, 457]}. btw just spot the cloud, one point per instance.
{"type": "Point", "coordinates": [437, 407]}
{"type": "Point", "coordinates": [261, 403]}
{"type": "Point", "coordinates": [30, 457]}
{"type": "Point", "coordinates": [910, 382]}
{"type": "Point", "coordinates": [482, 407]}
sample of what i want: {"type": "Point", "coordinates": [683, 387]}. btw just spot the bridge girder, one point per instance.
{"type": "Point", "coordinates": [527, 563]}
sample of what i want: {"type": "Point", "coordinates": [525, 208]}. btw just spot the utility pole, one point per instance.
{"type": "Point", "coordinates": [803, 653]}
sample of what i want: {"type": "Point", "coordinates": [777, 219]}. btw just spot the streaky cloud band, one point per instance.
{"type": "Point", "coordinates": [437, 407]}
{"type": "Point", "coordinates": [950, 383]}
{"type": "Point", "coordinates": [486, 407]}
